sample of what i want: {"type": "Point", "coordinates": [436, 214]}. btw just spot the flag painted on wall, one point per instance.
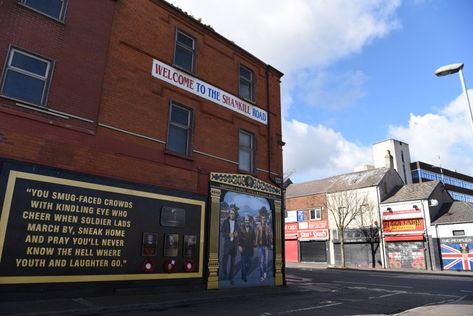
{"type": "Point", "coordinates": [457, 256]}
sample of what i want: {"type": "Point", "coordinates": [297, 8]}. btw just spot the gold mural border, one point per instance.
{"type": "Point", "coordinates": [253, 185]}
{"type": "Point", "coordinates": [14, 175]}
{"type": "Point", "coordinates": [245, 182]}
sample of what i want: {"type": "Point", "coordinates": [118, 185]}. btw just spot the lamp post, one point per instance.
{"type": "Point", "coordinates": [451, 69]}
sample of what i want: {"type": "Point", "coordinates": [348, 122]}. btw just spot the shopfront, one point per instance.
{"type": "Point", "coordinates": [405, 243]}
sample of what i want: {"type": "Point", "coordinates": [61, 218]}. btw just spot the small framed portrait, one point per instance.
{"type": "Point", "coordinates": [171, 245]}
{"type": "Point", "coordinates": [173, 217]}
{"type": "Point", "coordinates": [190, 242]}
{"type": "Point", "coordinates": [149, 245]}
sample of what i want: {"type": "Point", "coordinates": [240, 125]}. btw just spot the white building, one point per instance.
{"type": "Point", "coordinates": [401, 157]}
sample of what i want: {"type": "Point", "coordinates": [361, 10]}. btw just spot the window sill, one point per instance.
{"type": "Point", "coordinates": [190, 73]}
{"type": "Point", "coordinates": [46, 115]}
{"type": "Point", "coordinates": [250, 173]}
{"type": "Point", "coordinates": [178, 155]}
{"type": "Point", "coordinates": [252, 102]}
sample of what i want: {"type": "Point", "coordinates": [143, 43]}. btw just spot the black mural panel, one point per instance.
{"type": "Point", "coordinates": [51, 226]}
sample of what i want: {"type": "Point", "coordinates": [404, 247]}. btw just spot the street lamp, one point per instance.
{"type": "Point", "coordinates": [451, 69]}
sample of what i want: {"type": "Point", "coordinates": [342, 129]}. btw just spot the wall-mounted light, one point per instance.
{"type": "Point", "coordinates": [389, 209]}
{"type": "Point", "coordinates": [415, 207]}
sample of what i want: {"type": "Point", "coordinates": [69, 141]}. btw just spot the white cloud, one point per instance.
{"type": "Point", "coordinates": [447, 134]}
{"type": "Point", "coordinates": [303, 38]}
{"type": "Point", "coordinates": [295, 34]}
{"type": "Point", "coordinates": [315, 152]}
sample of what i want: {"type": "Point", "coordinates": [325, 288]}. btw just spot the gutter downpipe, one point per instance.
{"type": "Point", "coordinates": [380, 231]}
{"type": "Point", "coordinates": [426, 236]}
{"type": "Point", "coordinates": [280, 185]}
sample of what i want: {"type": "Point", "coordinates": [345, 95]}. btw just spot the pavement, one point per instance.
{"type": "Point", "coordinates": [175, 297]}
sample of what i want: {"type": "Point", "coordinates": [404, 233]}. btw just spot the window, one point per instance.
{"type": "Point", "coordinates": [246, 83]}
{"type": "Point", "coordinates": [246, 151]}
{"type": "Point", "coordinates": [458, 232]}
{"type": "Point", "coordinates": [52, 8]}
{"type": "Point", "coordinates": [184, 52]}
{"type": "Point", "coordinates": [26, 77]}
{"type": "Point", "coordinates": [316, 213]}
{"type": "Point", "coordinates": [179, 130]}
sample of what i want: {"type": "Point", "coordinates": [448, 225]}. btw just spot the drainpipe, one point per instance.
{"type": "Point", "coordinates": [439, 267]}
{"type": "Point", "coordinates": [279, 185]}
{"type": "Point", "coordinates": [426, 235]}
{"type": "Point", "coordinates": [380, 232]}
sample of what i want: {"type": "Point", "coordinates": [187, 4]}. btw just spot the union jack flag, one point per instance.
{"type": "Point", "coordinates": [457, 256]}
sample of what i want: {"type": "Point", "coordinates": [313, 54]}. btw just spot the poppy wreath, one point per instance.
{"type": "Point", "coordinates": [149, 265]}
{"type": "Point", "coordinates": [188, 266]}
{"type": "Point", "coordinates": [169, 265]}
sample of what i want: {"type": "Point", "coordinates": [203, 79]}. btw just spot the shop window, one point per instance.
{"type": "Point", "coordinates": [53, 8]}
{"type": "Point", "coordinates": [26, 77]}
{"type": "Point", "coordinates": [246, 83]}
{"type": "Point", "coordinates": [246, 151]}
{"type": "Point", "coordinates": [316, 214]}
{"type": "Point", "coordinates": [184, 54]}
{"type": "Point", "coordinates": [458, 232]}
{"type": "Point", "coordinates": [179, 130]}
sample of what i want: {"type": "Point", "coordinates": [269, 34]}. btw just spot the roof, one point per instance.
{"type": "Point", "coordinates": [308, 188]}
{"type": "Point", "coordinates": [412, 192]}
{"type": "Point", "coordinates": [348, 181]}
{"type": "Point", "coordinates": [456, 212]}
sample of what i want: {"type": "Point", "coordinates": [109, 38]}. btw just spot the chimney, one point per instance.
{"type": "Point", "coordinates": [388, 160]}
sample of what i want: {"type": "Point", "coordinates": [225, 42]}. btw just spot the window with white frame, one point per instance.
{"type": "Point", "coordinates": [316, 213]}
{"type": "Point", "coordinates": [184, 53]}
{"type": "Point", "coordinates": [179, 130]}
{"type": "Point", "coordinates": [53, 8]}
{"type": "Point", "coordinates": [246, 151]}
{"type": "Point", "coordinates": [26, 77]}
{"type": "Point", "coordinates": [246, 83]}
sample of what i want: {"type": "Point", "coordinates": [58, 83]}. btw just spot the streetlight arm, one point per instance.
{"type": "Point", "coordinates": [462, 79]}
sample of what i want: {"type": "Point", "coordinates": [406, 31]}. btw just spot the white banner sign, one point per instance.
{"type": "Point", "coordinates": [201, 88]}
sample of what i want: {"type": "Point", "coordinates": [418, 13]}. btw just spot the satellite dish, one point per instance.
{"type": "Point", "coordinates": [433, 202]}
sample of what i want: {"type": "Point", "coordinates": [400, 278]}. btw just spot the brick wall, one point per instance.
{"type": "Point", "coordinates": [115, 88]}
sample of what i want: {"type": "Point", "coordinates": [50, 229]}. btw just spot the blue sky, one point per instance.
{"type": "Point", "coordinates": [358, 72]}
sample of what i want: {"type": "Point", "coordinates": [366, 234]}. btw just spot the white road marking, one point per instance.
{"type": "Point", "coordinates": [388, 285]}
{"type": "Point", "coordinates": [308, 308]}
{"type": "Point", "coordinates": [386, 295]}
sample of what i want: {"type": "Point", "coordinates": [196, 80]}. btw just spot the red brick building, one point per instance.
{"type": "Point", "coordinates": [128, 131]}
{"type": "Point", "coordinates": [306, 222]}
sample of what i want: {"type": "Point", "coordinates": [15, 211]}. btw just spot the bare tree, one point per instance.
{"type": "Point", "coordinates": [345, 208]}
{"type": "Point", "coordinates": [368, 225]}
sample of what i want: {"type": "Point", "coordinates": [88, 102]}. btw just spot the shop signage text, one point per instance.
{"type": "Point", "coordinates": [316, 234]}
{"type": "Point", "coordinates": [404, 225]}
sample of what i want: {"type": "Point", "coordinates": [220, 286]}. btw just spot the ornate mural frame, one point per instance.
{"type": "Point", "coordinates": [253, 186]}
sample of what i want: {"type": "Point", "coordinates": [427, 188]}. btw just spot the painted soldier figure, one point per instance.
{"type": "Point", "coordinates": [229, 232]}
{"type": "Point", "coordinates": [247, 239]}
{"type": "Point", "coordinates": [264, 241]}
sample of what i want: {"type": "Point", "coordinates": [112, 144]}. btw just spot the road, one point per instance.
{"type": "Point", "coordinates": [337, 292]}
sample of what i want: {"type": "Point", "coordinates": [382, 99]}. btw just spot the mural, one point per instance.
{"type": "Point", "coordinates": [410, 255]}
{"type": "Point", "coordinates": [246, 241]}
{"type": "Point", "coordinates": [57, 226]}
{"type": "Point", "coordinates": [457, 253]}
